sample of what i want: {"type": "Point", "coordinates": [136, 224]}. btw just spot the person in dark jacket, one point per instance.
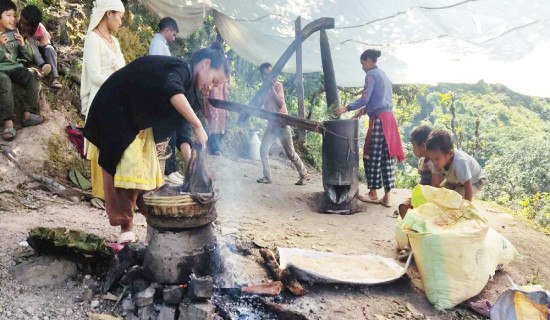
{"type": "Point", "coordinates": [152, 91]}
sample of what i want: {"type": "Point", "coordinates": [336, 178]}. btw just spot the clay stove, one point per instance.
{"type": "Point", "coordinates": [180, 243]}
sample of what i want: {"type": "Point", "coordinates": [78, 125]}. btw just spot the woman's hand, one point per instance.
{"type": "Point", "coordinates": [340, 110]}
{"type": "Point", "coordinates": [202, 137]}
{"type": "Point", "coordinates": [359, 113]}
{"type": "Point", "coordinates": [180, 102]}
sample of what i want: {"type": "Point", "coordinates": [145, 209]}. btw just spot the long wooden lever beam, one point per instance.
{"type": "Point", "coordinates": [283, 119]}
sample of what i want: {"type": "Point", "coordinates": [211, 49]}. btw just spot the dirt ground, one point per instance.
{"type": "Point", "coordinates": [276, 215]}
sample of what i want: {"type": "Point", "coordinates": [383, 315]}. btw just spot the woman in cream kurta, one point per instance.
{"type": "Point", "coordinates": [100, 61]}
{"type": "Point", "coordinates": [102, 57]}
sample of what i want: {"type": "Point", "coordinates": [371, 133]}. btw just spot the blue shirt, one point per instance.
{"type": "Point", "coordinates": [159, 46]}
{"type": "Point", "coordinates": [377, 94]}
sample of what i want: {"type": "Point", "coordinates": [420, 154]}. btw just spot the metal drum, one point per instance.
{"type": "Point", "coordinates": [340, 164]}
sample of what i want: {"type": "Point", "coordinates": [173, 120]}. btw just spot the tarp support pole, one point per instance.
{"type": "Point", "coordinates": [300, 82]}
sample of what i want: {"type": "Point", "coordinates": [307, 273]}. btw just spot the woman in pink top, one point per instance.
{"type": "Point", "coordinates": [216, 118]}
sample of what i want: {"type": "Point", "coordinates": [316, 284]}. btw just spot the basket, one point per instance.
{"type": "Point", "coordinates": [163, 152]}
{"type": "Point", "coordinates": [177, 212]}
{"type": "Point", "coordinates": [174, 206]}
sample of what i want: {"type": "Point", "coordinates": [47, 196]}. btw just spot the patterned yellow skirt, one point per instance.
{"type": "Point", "coordinates": [138, 168]}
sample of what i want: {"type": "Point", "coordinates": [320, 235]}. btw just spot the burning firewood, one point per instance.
{"type": "Point", "coordinates": [267, 289]}
{"type": "Point", "coordinates": [290, 282]}
{"type": "Point", "coordinates": [284, 275]}
{"type": "Point", "coordinates": [272, 263]}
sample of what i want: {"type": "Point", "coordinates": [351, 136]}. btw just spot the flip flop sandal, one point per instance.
{"type": "Point", "coordinates": [98, 203]}
{"type": "Point", "coordinates": [385, 204]}
{"type": "Point", "coordinates": [33, 120]}
{"type": "Point", "coordinates": [126, 237]}
{"type": "Point", "coordinates": [9, 134]}
{"type": "Point", "coordinates": [367, 199]}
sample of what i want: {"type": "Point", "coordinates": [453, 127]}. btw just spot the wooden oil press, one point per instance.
{"type": "Point", "coordinates": [340, 137]}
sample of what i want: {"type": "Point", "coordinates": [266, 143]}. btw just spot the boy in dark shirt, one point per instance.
{"type": "Point", "coordinates": [39, 39]}
{"type": "Point", "coordinates": [419, 136]}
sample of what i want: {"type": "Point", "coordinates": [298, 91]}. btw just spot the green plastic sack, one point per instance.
{"type": "Point", "coordinates": [455, 250]}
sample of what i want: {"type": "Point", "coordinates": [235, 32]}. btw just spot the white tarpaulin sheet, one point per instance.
{"type": "Point", "coordinates": [422, 41]}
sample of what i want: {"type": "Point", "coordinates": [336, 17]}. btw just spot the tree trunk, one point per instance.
{"type": "Point", "coordinates": [476, 139]}
{"type": "Point", "coordinates": [456, 137]}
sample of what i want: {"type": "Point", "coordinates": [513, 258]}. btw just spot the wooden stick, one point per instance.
{"type": "Point", "coordinates": [283, 119]}
{"type": "Point", "coordinates": [52, 185]}
{"type": "Point", "coordinates": [284, 275]}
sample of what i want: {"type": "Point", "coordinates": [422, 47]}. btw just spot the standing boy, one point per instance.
{"type": "Point", "coordinates": [12, 47]}
{"type": "Point", "coordinates": [274, 100]}
{"type": "Point", "coordinates": [460, 171]}
{"type": "Point", "coordinates": [168, 29]}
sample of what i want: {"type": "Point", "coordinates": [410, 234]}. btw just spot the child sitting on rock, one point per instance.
{"type": "Point", "coordinates": [460, 171]}
{"type": "Point", "coordinates": [39, 39]}
{"type": "Point", "coordinates": [418, 139]}
{"type": "Point", "coordinates": [12, 47]}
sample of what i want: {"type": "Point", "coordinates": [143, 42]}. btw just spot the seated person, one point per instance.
{"type": "Point", "coordinates": [38, 37]}
{"type": "Point", "coordinates": [460, 171]}
{"type": "Point", "coordinates": [418, 139]}
{"type": "Point", "coordinates": [12, 47]}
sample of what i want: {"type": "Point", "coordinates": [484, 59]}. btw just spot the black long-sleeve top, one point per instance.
{"type": "Point", "coordinates": [134, 98]}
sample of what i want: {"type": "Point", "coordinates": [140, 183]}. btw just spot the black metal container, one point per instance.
{"type": "Point", "coordinates": [340, 163]}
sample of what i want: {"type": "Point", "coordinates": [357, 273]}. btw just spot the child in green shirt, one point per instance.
{"type": "Point", "coordinates": [12, 47]}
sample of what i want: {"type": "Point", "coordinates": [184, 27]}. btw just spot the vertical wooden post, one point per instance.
{"type": "Point", "coordinates": [300, 82]}
{"type": "Point", "coordinates": [331, 91]}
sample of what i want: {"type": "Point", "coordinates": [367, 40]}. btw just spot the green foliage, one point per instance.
{"type": "Point", "coordinates": [136, 32]}
{"type": "Point", "coordinates": [537, 208]}
{"type": "Point", "coordinates": [536, 281]}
